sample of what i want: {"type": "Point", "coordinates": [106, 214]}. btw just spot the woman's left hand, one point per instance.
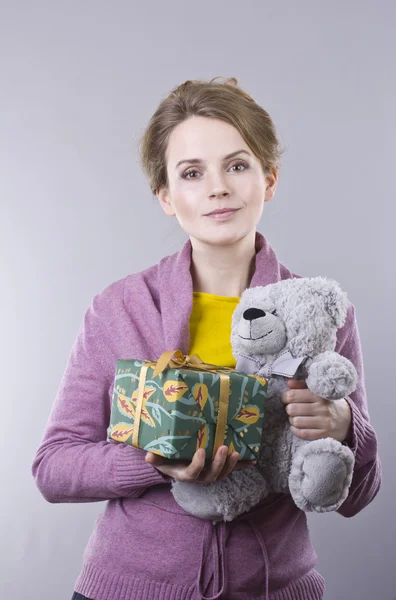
{"type": "Point", "coordinates": [312, 417]}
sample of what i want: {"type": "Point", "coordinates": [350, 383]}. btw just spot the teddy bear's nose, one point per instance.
{"type": "Point", "coordinates": [253, 313]}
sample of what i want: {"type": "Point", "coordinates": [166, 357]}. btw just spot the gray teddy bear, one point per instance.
{"type": "Point", "coordinates": [280, 331]}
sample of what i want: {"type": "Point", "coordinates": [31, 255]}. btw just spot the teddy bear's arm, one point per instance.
{"type": "Point", "coordinates": [331, 375]}
{"type": "Point", "coordinates": [366, 479]}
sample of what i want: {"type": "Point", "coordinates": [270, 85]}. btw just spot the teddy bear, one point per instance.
{"type": "Point", "coordinates": [280, 331]}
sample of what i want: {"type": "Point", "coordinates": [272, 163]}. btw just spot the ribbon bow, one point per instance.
{"type": "Point", "coordinates": [166, 360]}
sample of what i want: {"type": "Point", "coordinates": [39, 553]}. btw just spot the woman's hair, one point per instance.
{"type": "Point", "coordinates": [225, 101]}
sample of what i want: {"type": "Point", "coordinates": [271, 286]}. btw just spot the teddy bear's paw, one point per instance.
{"type": "Point", "coordinates": [331, 376]}
{"type": "Point", "coordinates": [224, 499]}
{"type": "Point", "coordinates": [198, 499]}
{"type": "Point", "coordinates": [320, 475]}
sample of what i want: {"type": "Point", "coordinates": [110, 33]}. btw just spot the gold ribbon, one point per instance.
{"type": "Point", "coordinates": [139, 405]}
{"type": "Point", "coordinates": [175, 359]}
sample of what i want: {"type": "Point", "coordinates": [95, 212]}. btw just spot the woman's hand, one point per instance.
{"type": "Point", "coordinates": [312, 417]}
{"type": "Point", "coordinates": [195, 471]}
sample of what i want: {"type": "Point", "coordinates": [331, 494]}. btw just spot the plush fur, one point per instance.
{"type": "Point", "coordinates": [297, 320]}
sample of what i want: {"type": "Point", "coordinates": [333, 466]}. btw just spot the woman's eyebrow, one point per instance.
{"type": "Point", "coordinates": [200, 161]}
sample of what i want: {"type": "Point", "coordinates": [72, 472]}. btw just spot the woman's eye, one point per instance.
{"type": "Point", "coordinates": [186, 174]}
{"type": "Point", "coordinates": [240, 164]}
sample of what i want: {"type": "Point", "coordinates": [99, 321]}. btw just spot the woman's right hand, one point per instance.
{"type": "Point", "coordinates": [183, 470]}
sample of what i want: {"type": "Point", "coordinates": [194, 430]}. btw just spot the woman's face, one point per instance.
{"type": "Point", "coordinates": [207, 180]}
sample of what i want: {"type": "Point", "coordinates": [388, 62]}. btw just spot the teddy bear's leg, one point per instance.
{"type": "Point", "coordinates": [224, 499]}
{"type": "Point", "coordinates": [320, 474]}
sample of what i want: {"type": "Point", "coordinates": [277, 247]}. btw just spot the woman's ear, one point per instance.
{"type": "Point", "coordinates": [272, 182]}
{"type": "Point", "coordinates": [162, 194]}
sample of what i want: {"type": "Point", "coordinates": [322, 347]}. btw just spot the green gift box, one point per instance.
{"type": "Point", "coordinates": [178, 404]}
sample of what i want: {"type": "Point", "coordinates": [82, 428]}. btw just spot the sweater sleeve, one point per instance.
{"type": "Point", "coordinates": [367, 473]}
{"type": "Point", "coordinates": [75, 462]}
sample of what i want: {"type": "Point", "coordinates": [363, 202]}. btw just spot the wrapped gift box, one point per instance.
{"type": "Point", "coordinates": [178, 404]}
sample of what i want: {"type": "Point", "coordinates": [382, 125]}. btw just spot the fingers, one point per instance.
{"type": "Point", "coordinates": [307, 422]}
{"type": "Point", "coordinates": [302, 395]}
{"type": "Point", "coordinates": [221, 465]}
{"type": "Point", "coordinates": [308, 434]}
{"type": "Point", "coordinates": [297, 384]}
{"type": "Point", "coordinates": [218, 469]}
{"type": "Point", "coordinates": [195, 468]}
{"type": "Point", "coordinates": [291, 396]}
{"type": "Point", "coordinates": [154, 459]}
{"type": "Point", "coordinates": [301, 409]}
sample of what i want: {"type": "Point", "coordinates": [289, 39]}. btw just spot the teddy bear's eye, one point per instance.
{"type": "Point", "coordinates": [275, 313]}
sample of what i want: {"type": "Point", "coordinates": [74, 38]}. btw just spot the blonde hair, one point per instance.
{"type": "Point", "coordinates": [218, 100]}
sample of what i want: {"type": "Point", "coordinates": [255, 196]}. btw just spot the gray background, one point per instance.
{"type": "Point", "coordinates": [79, 81]}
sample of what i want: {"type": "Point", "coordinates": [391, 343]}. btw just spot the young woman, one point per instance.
{"type": "Point", "coordinates": [211, 155]}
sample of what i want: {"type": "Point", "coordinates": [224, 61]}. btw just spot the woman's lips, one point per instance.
{"type": "Point", "coordinates": [223, 215]}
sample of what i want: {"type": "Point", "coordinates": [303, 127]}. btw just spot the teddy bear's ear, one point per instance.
{"type": "Point", "coordinates": [335, 300]}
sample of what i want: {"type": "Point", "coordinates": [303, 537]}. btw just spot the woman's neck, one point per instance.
{"type": "Point", "coordinates": [223, 270]}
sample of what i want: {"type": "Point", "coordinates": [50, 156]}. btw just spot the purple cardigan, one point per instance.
{"type": "Point", "coordinates": [144, 545]}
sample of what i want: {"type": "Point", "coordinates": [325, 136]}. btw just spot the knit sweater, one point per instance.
{"type": "Point", "coordinates": [144, 545]}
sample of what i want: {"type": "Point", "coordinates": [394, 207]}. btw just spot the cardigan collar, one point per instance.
{"type": "Point", "coordinates": [176, 288]}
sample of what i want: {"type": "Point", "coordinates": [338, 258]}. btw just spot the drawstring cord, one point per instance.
{"type": "Point", "coordinates": [218, 550]}
{"type": "Point", "coordinates": [218, 555]}
{"type": "Point", "coordinates": [264, 550]}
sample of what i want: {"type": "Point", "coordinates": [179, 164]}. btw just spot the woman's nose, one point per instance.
{"type": "Point", "coordinates": [217, 185]}
{"type": "Point", "coordinates": [218, 194]}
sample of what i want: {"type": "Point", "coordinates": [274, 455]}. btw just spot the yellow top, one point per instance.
{"type": "Point", "coordinates": [210, 328]}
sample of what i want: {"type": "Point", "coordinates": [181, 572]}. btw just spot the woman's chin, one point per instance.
{"type": "Point", "coordinates": [224, 235]}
